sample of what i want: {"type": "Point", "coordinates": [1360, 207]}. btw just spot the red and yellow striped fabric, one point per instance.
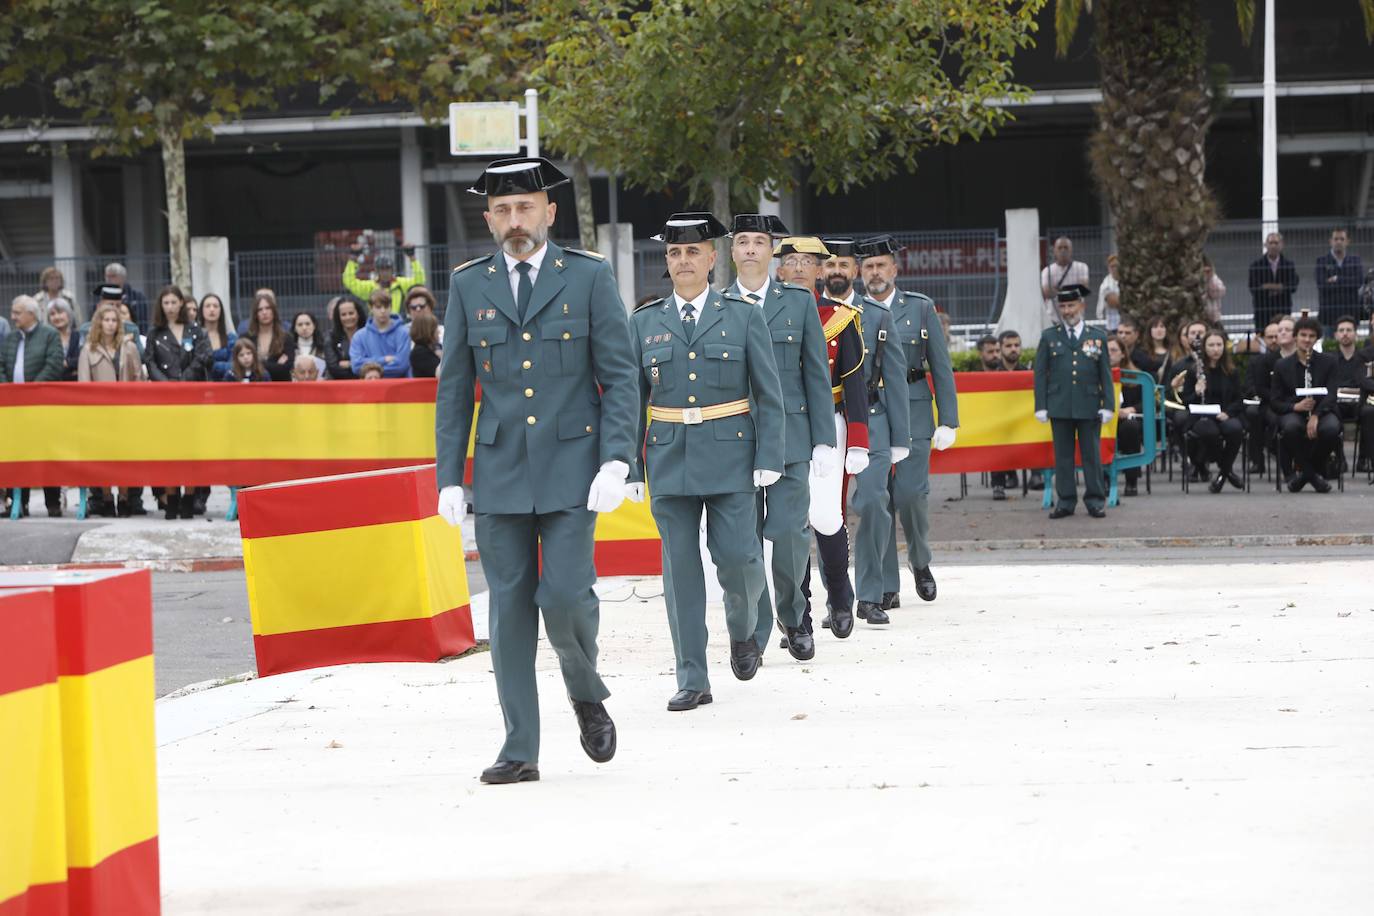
{"type": "Point", "coordinates": [104, 627]}
{"type": "Point", "coordinates": [353, 568]}
{"type": "Point", "coordinates": [33, 827]}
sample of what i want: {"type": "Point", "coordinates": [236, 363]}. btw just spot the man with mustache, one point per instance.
{"type": "Point", "coordinates": [544, 331]}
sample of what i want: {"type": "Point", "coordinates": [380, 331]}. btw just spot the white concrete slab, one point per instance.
{"type": "Point", "coordinates": [1049, 739]}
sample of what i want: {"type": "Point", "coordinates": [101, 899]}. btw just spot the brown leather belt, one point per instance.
{"type": "Point", "coordinates": [692, 416]}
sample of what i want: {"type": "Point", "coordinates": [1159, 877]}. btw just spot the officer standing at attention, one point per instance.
{"type": "Point", "coordinates": [545, 332]}
{"type": "Point", "coordinates": [799, 351]}
{"type": "Point", "coordinates": [1074, 394]}
{"type": "Point", "coordinates": [920, 338]}
{"type": "Point", "coordinates": [714, 436]}
{"type": "Point", "coordinates": [889, 427]}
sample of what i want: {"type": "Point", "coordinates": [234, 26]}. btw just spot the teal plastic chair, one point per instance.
{"type": "Point", "coordinates": [1151, 436]}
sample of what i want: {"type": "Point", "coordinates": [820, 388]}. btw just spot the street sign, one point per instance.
{"type": "Point", "coordinates": [484, 128]}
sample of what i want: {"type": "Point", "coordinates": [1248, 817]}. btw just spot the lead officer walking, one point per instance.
{"type": "Point", "coordinates": [709, 383]}
{"type": "Point", "coordinates": [545, 332]}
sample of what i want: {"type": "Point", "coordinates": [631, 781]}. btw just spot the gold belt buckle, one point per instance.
{"type": "Point", "coordinates": [691, 416]}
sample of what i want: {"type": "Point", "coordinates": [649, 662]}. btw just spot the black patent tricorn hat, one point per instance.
{"type": "Point", "coordinates": [766, 223]}
{"type": "Point", "coordinates": [525, 175]}
{"type": "Point", "coordinates": [686, 228]}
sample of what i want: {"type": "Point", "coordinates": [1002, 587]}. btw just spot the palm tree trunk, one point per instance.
{"type": "Point", "coordinates": [582, 195]}
{"type": "Point", "coordinates": [1148, 153]}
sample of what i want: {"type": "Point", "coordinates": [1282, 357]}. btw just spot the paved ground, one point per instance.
{"type": "Point", "coordinates": [1045, 738]}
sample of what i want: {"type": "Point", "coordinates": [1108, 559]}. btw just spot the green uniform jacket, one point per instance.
{"type": "Point", "coordinates": [923, 341]}
{"type": "Point", "coordinates": [1073, 381]}
{"type": "Point", "coordinates": [799, 352]}
{"type": "Point", "coordinates": [558, 390]}
{"type": "Point", "coordinates": [889, 418]}
{"type": "Point", "coordinates": [728, 358]}
{"type": "Point", "coordinates": [43, 356]}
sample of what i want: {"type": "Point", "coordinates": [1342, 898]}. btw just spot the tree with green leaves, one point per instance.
{"type": "Point", "coordinates": [1148, 153]}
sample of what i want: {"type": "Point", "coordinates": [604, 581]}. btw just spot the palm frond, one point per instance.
{"type": "Point", "coordinates": [1066, 16]}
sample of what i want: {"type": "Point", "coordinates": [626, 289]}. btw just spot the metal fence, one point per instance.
{"type": "Point", "coordinates": [82, 277]}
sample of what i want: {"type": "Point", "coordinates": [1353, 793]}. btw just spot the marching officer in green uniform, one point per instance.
{"type": "Point", "coordinates": [544, 331]}
{"type": "Point", "coordinates": [714, 436]}
{"type": "Point", "coordinates": [799, 350]}
{"type": "Point", "coordinates": [889, 426]}
{"type": "Point", "coordinates": [921, 339]}
{"type": "Point", "coordinates": [1074, 394]}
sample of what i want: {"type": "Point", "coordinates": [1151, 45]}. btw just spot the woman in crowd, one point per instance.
{"type": "Point", "coordinates": [216, 326]}
{"type": "Point", "coordinates": [265, 330]}
{"type": "Point", "coordinates": [53, 288]}
{"type": "Point", "coordinates": [192, 310]}
{"type": "Point", "coordinates": [1157, 345]}
{"type": "Point", "coordinates": [348, 318]}
{"type": "Point", "coordinates": [244, 365]}
{"type": "Point", "coordinates": [63, 321]}
{"type": "Point", "coordinates": [305, 337]}
{"type": "Point", "coordinates": [177, 351]}
{"type": "Point", "coordinates": [1130, 435]}
{"type": "Point", "coordinates": [425, 352]}
{"type": "Point", "coordinates": [126, 315]}
{"type": "Point", "coordinates": [1212, 380]}
{"type": "Point", "coordinates": [109, 355]}
{"type": "Point", "coordinates": [419, 299]}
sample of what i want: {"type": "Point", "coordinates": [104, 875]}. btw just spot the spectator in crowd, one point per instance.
{"type": "Point", "coordinates": [371, 372]}
{"type": "Point", "coordinates": [382, 340]}
{"type": "Point", "coordinates": [1366, 462]}
{"type": "Point", "coordinates": [1212, 380]}
{"type": "Point", "coordinates": [1273, 280]}
{"type": "Point", "coordinates": [420, 299]}
{"type": "Point", "coordinates": [1182, 357]}
{"type": "Point", "coordinates": [1338, 279]}
{"type": "Point", "coordinates": [425, 351]}
{"type": "Point", "coordinates": [1158, 347]}
{"type": "Point", "coordinates": [1309, 428]}
{"type": "Point", "coordinates": [348, 318]}
{"type": "Point", "coordinates": [305, 337]}
{"type": "Point", "coordinates": [305, 368]}
{"type": "Point", "coordinates": [52, 287]}
{"type": "Point", "coordinates": [244, 365]}
{"type": "Point", "coordinates": [1128, 332]}
{"type": "Point", "coordinates": [109, 355]}
{"type": "Point", "coordinates": [1259, 417]}
{"type": "Point", "coordinates": [1061, 274]}
{"type": "Point", "coordinates": [1366, 297]}
{"type": "Point", "coordinates": [1213, 291]}
{"type": "Point", "coordinates": [177, 351]}
{"type": "Point", "coordinates": [1351, 369]}
{"type": "Point", "coordinates": [268, 335]}
{"type": "Point", "coordinates": [1009, 343]}
{"type": "Point", "coordinates": [395, 287]}
{"type": "Point", "coordinates": [116, 274]}
{"type": "Point", "coordinates": [192, 310]}
{"type": "Point", "coordinates": [1109, 295]}
{"type": "Point", "coordinates": [112, 295]}
{"type": "Point", "coordinates": [4, 328]}
{"type": "Point", "coordinates": [989, 354]}
{"type": "Point", "coordinates": [216, 325]}
{"type": "Point", "coordinates": [127, 315]}
{"type": "Point", "coordinates": [945, 322]}
{"type": "Point", "coordinates": [32, 352]}
{"type": "Point", "coordinates": [1130, 435]}
{"type": "Point", "coordinates": [62, 319]}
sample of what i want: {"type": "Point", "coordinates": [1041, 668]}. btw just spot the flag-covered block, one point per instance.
{"type": "Point", "coordinates": [103, 624]}
{"type": "Point", "coordinates": [353, 568]}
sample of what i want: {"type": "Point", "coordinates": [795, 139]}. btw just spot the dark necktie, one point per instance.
{"type": "Point", "coordinates": [689, 318]}
{"type": "Point", "coordinates": [753, 298]}
{"type": "Point", "coordinates": [523, 289]}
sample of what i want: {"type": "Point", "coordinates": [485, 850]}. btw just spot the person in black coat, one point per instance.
{"type": "Point", "coordinates": [177, 351]}
{"type": "Point", "coordinates": [1273, 280]}
{"type": "Point", "coordinates": [1130, 435]}
{"type": "Point", "coordinates": [348, 319]}
{"type": "Point", "coordinates": [425, 352]}
{"type": "Point", "coordinates": [1213, 380]}
{"type": "Point", "coordinates": [1309, 427]}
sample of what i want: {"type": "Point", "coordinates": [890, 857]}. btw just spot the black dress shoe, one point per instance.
{"type": "Point", "coordinates": [173, 507]}
{"type": "Point", "coordinates": [136, 507]}
{"type": "Point", "coordinates": [891, 600]}
{"type": "Point", "coordinates": [1131, 489]}
{"type": "Point", "coordinates": [1216, 485]}
{"type": "Point", "coordinates": [507, 771]}
{"type": "Point", "coordinates": [56, 511]}
{"type": "Point", "coordinates": [925, 584]}
{"type": "Point", "coordinates": [999, 493]}
{"type": "Point", "coordinates": [1297, 482]}
{"type": "Point", "coordinates": [598, 731]}
{"type": "Point", "coordinates": [684, 700]}
{"type": "Point", "coordinates": [745, 658]}
{"type": "Point", "coordinates": [1037, 481]}
{"type": "Point", "coordinates": [841, 622]}
{"type": "Point", "coordinates": [1319, 483]}
{"type": "Point", "coordinates": [1235, 480]}
{"type": "Point", "coordinates": [800, 644]}
{"type": "Point", "coordinates": [1060, 512]}
{"type": "Point", "coordinates": [1097, 512]}
{"type": "Point", "coordinates": [871, 612]}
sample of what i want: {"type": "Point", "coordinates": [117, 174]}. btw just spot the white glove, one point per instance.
{"type": "Point", "coordinates": [822, 459]}
{"type": "Point", "coordinates": [1043, 416]}
{"type": "Point", "coordinates": [763, 478]}
{"type": "Point", "coordinates": [608, 487]}
{"type": "Point", "coordinates": [453, 505]}
{"type": "Point", "coordinates": [855, 460]}
{"type": "Point", "coordinates": [1104, 415]}
{"type": "Point", "coordinates": [943, 438]}
{"type": "Point", "coordinates": [634, 492]}
{"type": "Point", "coordinates": [899, 454]}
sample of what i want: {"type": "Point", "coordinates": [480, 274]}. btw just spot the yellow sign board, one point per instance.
{"type": "Point", "coordinates": [484, 128]}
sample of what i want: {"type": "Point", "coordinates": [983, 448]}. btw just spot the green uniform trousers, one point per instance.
{"type": "Point", "coordinates": [1089, 436]}
{"type": "Point", "coordinates": [783, 510]}
{"type": "Point", "coordinates": [517, 589]}
{"type": "Point", "coordinates": [873, 504]}
{"type": "Point", "coordinates": [911, 507]}
{"type": "Point", "coordinates": [732, 540]}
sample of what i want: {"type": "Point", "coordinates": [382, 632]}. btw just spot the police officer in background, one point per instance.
{"type": "Point", "coordinates": [1074, 394]}
{"type": "Point", "coordinates": [715, 435]}
{"type": "Point", "coordinates": [544, 331]}
{"type": "Point", "coordinates": [927, 362]}
{"type": "Point", "coordinates": [799, 351]}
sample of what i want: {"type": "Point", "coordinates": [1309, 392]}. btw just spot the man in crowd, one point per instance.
{"type": "Point", "coordinates": [989, 354]}
{"type": "Point", "coordinates": [1009, 343]}
{"type": "Point", "coordinates": [809, 432]}
{"type": "Point", "coordinates": [116, 274]}
{"type": "Point", "coordinates": [714, 407]}
{"type": "Point", "coordinates": [419, 299]}
{"type": "Point", "coordinates": [1351, 369]}
{"type": "Point", "coordinates": [305, 369]}
{"type": "Point", "coordinates": [386, 280]}
{"type": "Point", "coordinates": [1061, 274]}
{"type": "Point", "coordinates": [1273, 280]}
{"type": "Point", "coordinates": [1260, 418]}
{"type": "Point", "coordinates": [384, 340]}
{"type": "Point", "coordinates": [554, 445]}
{"type": "Point", "coordinates": [1338, 278]}
{"type": "Point", "coordinates": [32, 352]}
{"type": "Point", "coordinates": [1074, 394]}
{"type": "Point", "coordinates": [1128, 333]}
{"type": "Point", "coordinates": [1309, 427]}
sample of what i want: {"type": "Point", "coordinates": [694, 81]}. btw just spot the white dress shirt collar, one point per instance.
{"type": "Point", "coordinates": [534, 260]}
{"type": "Point", "coordinates": [1075, 330]}
{"type": "Point", "coordinates": [698, 303]}
{"type": "Point", "coordinates": [761, 292]}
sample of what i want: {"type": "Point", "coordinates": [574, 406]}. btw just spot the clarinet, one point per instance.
{"type": "Point", "coordinates": [1307, 381]}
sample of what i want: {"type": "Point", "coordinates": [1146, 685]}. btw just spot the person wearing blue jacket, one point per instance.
{"type": "Point", "coordinates": [383, 340]}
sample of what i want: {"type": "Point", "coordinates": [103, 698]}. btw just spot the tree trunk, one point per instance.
{"type": "Point", "coordinates": [586, 215]}
{"type": "Point", "coordinates": [1149, 155]}
{"type": "Point", "coordinates": [178, 223]}
{"type": "Point", "coordinates": [720, 204]}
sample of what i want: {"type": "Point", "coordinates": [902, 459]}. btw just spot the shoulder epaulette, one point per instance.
{"type": "Point", "coordinates": [798, 287]}
{"type": "Point", "coordinates": [648, 305]}
{"type": "Point", "coordinates": [466, 264]}
{"type": "Point", "coordinates": [586, 254]}
{"type": "Point", "coordinates": [869, 300]}
{"type": "Point", "coordinates": [838, 320]}
{"type": "Point", "coordinates": [734, 297]}
{"type": "Point", "coordinates": [922, 297]}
